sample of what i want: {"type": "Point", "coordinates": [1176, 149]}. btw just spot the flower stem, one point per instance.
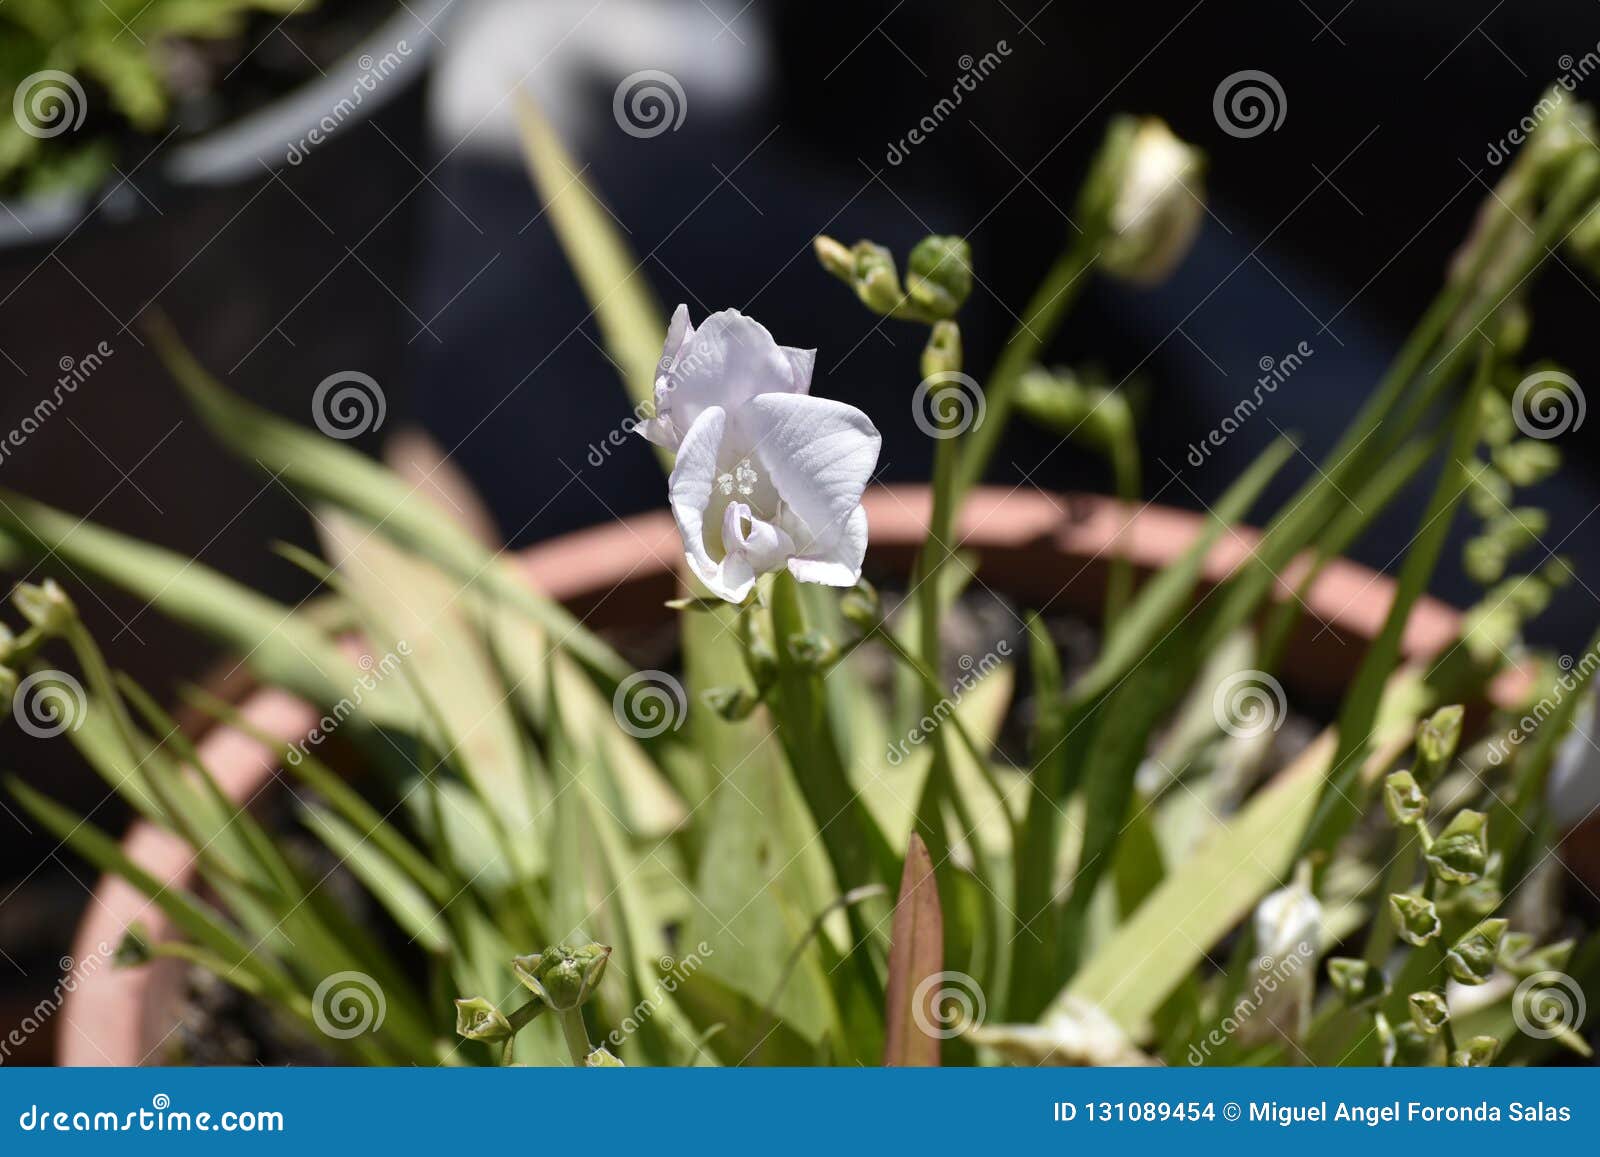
{"type": "Point", "coordinates": [576, 1036]}
{"type": "Point", "coordinates": [1039, 322]}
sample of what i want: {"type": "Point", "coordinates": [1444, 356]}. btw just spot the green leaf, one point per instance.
{"type": "Point", "coordinates": [394, 889]}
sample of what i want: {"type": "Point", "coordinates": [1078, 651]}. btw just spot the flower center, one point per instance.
{"type": "Point", "coordinates": [741, 480]}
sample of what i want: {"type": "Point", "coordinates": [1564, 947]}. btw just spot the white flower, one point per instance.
{"type": "Point", "coordinates": [767, 476]}
{"type": "Point", "coordinates": [1158, 209]}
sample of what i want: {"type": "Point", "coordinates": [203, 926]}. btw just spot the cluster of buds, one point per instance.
{"type": "Point", "coordinates": [561, 979]}
{"type": "Point", "coordinates": [49, 614]}
{"type": "Point", "coordinates": [938, 277]}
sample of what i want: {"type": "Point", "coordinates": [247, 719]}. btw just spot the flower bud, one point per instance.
{"type": "Point", "coordinates": [45, 605]}
{"type": "Point", "coordinates": [1513, 947]}
{"type": "Point", "coordinates": [813, 650]}
{"type": "Point", "coordinates": [477, 1019]}
{"type": "Point", "coordinates": [1388, 1044]}
{"type": "Point", "coordinates": [1475, 1053]}
{"type": "Point", "coordinates": [1356, 981]}
{"type": "Point", "coordinates": [601, 1058]}
{"type": "Point", "coordinates": [1156, 208]}
{"type": "Point", "coordinates": [1550, 958]}
{"type": "Point", "coordinates": [1459, 855]}
{"type": "Point", "coordinates": [1429, 1012]}
{"type": "Point", "coordinates": [1437, 739]}
{"type": "Point", "coordinates": [1527, 461]}
{"type": "Point", "coordinates": [835, 258]}
{"type": "Point", "coordinates": [861, 607]}
{"type": "Point", "coordinates": [564, 977]}
{"type": "Point", "coordinates": [1416, 920]}
{"type": "Point", "coordinates": [941, 357]}
{"type": "Point", "coordinates": [731, 703]}
{"type": "Point", "coordinates": [1403, 799]}
{"type": "Point", "coordinates": [876, 281]}
{"type": "Point", "coordinates": [1472, 959]}
{"type": "Point", "coordinates": [939, 275]}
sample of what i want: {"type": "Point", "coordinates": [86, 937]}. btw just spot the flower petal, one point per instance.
{"type": "Point", "coordinates": [689, 490]}
{"type": "Point", "coordinates": [729, 359]}
{"type": "Point", "coordinates": [819, 454]}
{"type": "Point", "coordinates": [764, 546]}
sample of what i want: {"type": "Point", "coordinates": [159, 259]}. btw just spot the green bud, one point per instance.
{"type": "Point", "coordinates": [1157, 205]}
{"type": "Point", "coordinates": [45, 605]}
{"type": "Point", "coordinates": [1527, 461]}
{"type": "Point", "coordinates": [837, 259]}
{"type": "Point", "coordinates": [1388, 1045]}
{"type": "Point", "coordinates": [939, 275]}
{"type": "Point", "coordinates": [1476, 1052]}
{"type": "Point", "coordinates": [732, 703]}
{"type": "Point", "coordinates": [1416, 920]}
{"type": "Point", "coordinates": [1515, 324]}
{"type": "Point", "coordinates": [1496, 425]}
{"type": "Point", "coordinates": [1356, 981]}
{"type": "Point", "coordinates": [1489, 491]}
{"type": "Point", "coordinates": [1484, 558]}
{"type": "Point", "coordinates": [477, 1019]}
{"type": "Point", "coordinates": [1550, 958]}
{"type": "Point", "coordinates": [763, 661]}
{"type": "Point", "coordinates": [135, 948]}
{"type": "Point", "coordinates": [1437, 739]}
{"type": "Point", "coordinates": [876, 281]}
{"type": "Point", "coordinates": [1472, 959]}
{"type": "Point", "coordinates": [1513, 947]}
{"type": "Point", "coordinates": [1403, 799]}
{"type": "Point", "coordinates": [1413, 1047]}
{"type": "Point", "coordinates": [813, 650]}
{"type": "Point", "coordinates": [1466, 904]}
{"type": "Point", "coordinates": [861, 606]}
{"type": "Point", "coordinates": [8, 684]}
{"type": "Point", "coordinates": [941, 357]}
{"type": "Point", "coordinates": [1460, 853]}
{"type": "Point", "coordinates": [564, 977]}
{"type": "Point", "coordinates": [1429, 1012]}
{"type": "Point", "coordinates": [601, 1058]}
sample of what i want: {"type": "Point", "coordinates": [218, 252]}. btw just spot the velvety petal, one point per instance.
{"type": "Point", "coordinates": [836, 563]}
{"type": "Point", "coordinates": [819, 454]}
{"type": "Point", "coordinates": [729, 359]}
{"type": "Point", "coordinates": [690, 488]}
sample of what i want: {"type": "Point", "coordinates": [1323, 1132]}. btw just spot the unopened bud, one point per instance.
{"type": "Point", "coordinates": [876, 281]}
{"type": "Point", "coordinates": [1429, 1012]}
{"type": "Point", "coordinates": [1460, 853]}
{"type": "Point", "coordinates": [835, 258]}
{"type": "Point", "coordinates": [1356, 981]}
{"type": "Point", "coordinates": [1476, 1052]}
{"type": "Point", "coordinates": [1416, 919]}
{"type": "Point", "coordinates": [1472, 959]}
{"type": "Point", "coordinates": [813, 650]}
{"type": "Point", "coordinates": [1438, 736]}
{"type": "Point", "coordinates": [939, 274]}
{"type": "Point", "coordinates": [861, 606]}
{"type": "Point", "coordinates": [45, 605]}
{"type": "Point", "coordinates": [564, 977]}
{"type": "Point", "coordinates": [941, 357]}
{"type": "Point", "coordinates": [1403, 799]}
{"type": "Point", "coordinates": [477, 1019]}
{"type": "Point", "coordinates": [601, 1058]}
{"type": "Point", "coordinates": [731, 703]}
{"type": "Point", "coordinates": [1157, 208]}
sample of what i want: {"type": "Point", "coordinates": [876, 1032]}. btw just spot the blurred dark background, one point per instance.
{"type": "Point", "coordinates": [409, 247]}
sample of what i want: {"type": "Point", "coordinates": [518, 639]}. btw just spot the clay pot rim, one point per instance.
{"type": "Point", "coordinates": [111, 1015]}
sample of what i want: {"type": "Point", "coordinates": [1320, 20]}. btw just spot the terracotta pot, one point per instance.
{"type": "Point", "coordinates": [1037, 548]}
